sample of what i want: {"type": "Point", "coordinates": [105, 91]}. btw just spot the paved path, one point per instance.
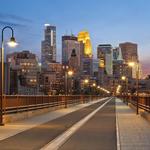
{"type": "Point", "coordinates": [14, 128]}
{"type": "Point", "coordinates": [134, 130]}
{"type": "Point", "coordinates": [37, 137]}
{"type": "Point", "coordinates": [99, 133]}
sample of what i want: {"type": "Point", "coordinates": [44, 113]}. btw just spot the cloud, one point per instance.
{"type": "Point", "coordinates": [14, 20]}
{"type": "Point", "coordinates": [7, 23]}
{"type": "Point", "coordinates": [14, 17]}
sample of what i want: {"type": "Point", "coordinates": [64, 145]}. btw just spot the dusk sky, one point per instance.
{"type": "Point", "coordinates": [108, 21]}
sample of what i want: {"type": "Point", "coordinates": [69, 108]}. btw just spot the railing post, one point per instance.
{"type": "Point", "coordinates": [137, 108]}
{"type": "Point", "coordinates": [65, 101]}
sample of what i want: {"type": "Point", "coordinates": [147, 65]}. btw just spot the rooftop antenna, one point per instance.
{"type": "Point", "coordinates": [71, 33]}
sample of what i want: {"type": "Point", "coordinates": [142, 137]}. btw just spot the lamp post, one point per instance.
{"type": "Point", "coordinates": [65, 68]}
{"type": "Point", "coordinates": [70, 74]}
{"type": "Point", "coordinates": [86, 85]}
{"type": "Point", "coordinates": [132, 64]}
{"type": "Point", "coordinates": [11, 43]}
{"type": "Point", "coordinates": [124, 78]}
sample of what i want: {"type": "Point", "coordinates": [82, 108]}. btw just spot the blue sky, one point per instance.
{"type": "Point", "coordinates": [108, 21]}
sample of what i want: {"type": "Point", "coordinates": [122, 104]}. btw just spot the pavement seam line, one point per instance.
{"type": "Point", "coordinates": [56, 143]}
{"type": "Point", "coordinates": [117, 129]}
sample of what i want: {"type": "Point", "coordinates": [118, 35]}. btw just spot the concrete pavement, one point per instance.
{"type": "Point", "coordinates": [99, 133]}
{"type": "Point", "coordinates": [134, 131]}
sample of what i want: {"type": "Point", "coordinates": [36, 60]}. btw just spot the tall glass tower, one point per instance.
{"type": "Point", "coordinates": [48, 45]}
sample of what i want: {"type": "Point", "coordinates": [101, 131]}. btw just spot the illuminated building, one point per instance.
{"type": "Point", "coordinates": [23, 65]}
{"type": "Point", "coordinates": [84, 37]}
{"type": "Point", "coordinates": [48, 47]}
{"type": "Point", "coordinates": [85, 53]}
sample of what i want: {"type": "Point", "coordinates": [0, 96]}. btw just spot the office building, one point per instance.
{"type": "Point", "coordinates": [85, 54]}
{"type": "Point", "coordinates": [130, 54]}
{"type": "Point", "coordinates": [24, 68]}
{"type": "Point", "coordinates": [48, 46]}
{"type": "Point", "coordinates": [69, 43]}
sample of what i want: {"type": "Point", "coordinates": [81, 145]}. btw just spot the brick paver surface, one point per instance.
{"type": "Point", "coordinates": [134, 131]}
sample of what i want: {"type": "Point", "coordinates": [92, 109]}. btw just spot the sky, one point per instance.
{"type": "Point", "coordinates": [108, 21]}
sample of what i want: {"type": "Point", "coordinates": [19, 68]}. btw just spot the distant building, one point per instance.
{"type": "Point", "coordinates": [117, 54]}
{"type": "Point", "coordinates": [24, 68]}
{"type": "Point", "coordinates": [85, 54]}
{"type": "Point", "coordinates": [48, 48]}
{"type": "Point", "coordinates": [84, 37]}
{"type": "Point", "coordinates": [51, 79]}
{"type": "Point", "coordinates": [120, 69]}
{"type": "Point", "coordinates": [104, 55]}
{"type": "Point", "coordinates": [69, 43]}
{"type": "Point", "coordinates": [130, 54]}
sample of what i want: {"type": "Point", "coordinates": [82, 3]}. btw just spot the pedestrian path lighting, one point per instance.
{"type": "Point", "coordinates": [94, 84]}
{"type": "Point", "coordinates": [70, 72]}
{"type": "Point", "coordinates": [118, 89]}
{"type": "Point", "coordinates": [123, 78]}
{"type": "Point", "coordinates": [98, 87]}
{"type": "Point", "coordinates": [11, 43]}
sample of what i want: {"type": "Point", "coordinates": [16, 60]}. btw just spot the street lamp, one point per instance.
{"type": "Point", "coordinates": [94, 84]}
{"type": "Point", "coordinates": [70, 74]}
{"type": "Point", "coordinates": [124, 78]}
{"type": "Point", "coordinates": [86, 81]}
{"type": "Point", "coordinates": [132, 64]}
{"type": "Point", "coordinates": [11, 43]}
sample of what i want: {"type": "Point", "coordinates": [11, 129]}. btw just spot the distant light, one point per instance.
{"type": "Point", "coordinates": [123, 78]}
{"type": "Point", "coordinates": [40, 64]}
{"type": "Point", "coordinates": [131, 64]}
{"type": "Point", "coordinates": [70, 73]}
{"type": "Point", "coordinates": [86, 81]}
{"type": "Point", "coordinates": [98, 87]}
{"type": "Point", "coordinates": [94, 84]}
{"type": "Point", "coordinates": [46, 25]}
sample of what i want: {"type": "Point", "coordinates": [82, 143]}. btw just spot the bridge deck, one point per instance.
{"type": "Point", "coordinates": [99, 132]}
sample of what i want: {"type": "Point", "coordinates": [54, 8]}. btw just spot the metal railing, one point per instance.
{"type": "Point", "coordinates": [143, 101]}
{"type": "Point", "coordinates": [20, 103]}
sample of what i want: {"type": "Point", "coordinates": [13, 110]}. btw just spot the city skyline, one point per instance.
{"type": "Point", "coordinates": [110, 22]}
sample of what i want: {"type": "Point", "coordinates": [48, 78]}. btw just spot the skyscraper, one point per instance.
{"type": "Point", "coordinates": [104, 54]}
{"type": "Point", "coordinates": [129, 52]}
{"type": "Point", "coordinates": [69, 43]}
{"type": "Point", "coordinates": [86, 53]}
{"type": "Point", "coordinates": [84, 37]}
{"type": "Point", "coordinates": [48, 47]}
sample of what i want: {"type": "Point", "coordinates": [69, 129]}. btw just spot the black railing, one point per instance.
{"type": "Point", "coordinates": [143, 101]}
